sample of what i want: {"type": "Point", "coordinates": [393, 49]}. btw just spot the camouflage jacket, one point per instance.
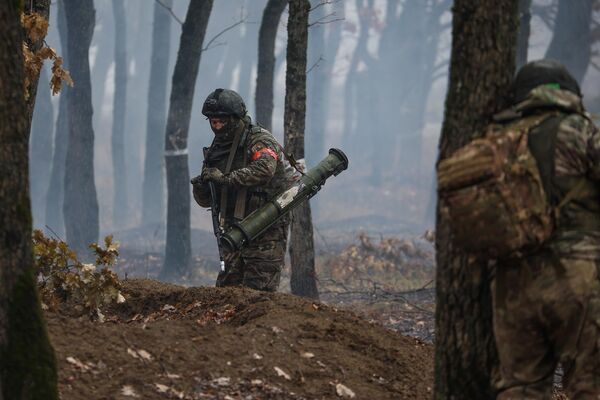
{"type": "Point", "coordinates": [259, 166]}
{"type": "Point", "coordinates": [576, 159]}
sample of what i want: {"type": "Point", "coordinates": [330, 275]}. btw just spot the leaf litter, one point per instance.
{"type": "Point", "coordinates": [154, 352]}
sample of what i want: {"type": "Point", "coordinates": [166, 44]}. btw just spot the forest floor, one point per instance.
{"type": "Point", "coordinates": [168, 341]}
{"type": "Point", "coordinates": [369, 337]}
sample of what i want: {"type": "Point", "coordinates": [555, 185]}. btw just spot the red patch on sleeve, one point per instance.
{"type": "Point", "coordinates": [264, 151]}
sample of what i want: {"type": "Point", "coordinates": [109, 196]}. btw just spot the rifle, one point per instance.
{"type": "Point", "coordinates": [215, 210]}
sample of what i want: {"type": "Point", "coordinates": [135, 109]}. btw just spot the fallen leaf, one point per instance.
{"type": "Point", "coordinates": [276, 329]}
{"type": "Point", "coordinates": [168, 307]}
{"type": "Point", "coordinates": [257, 356]}
{"type": "Point", "coordinates": [140, 354]}
{"type": "Point", "coordinates": [344, 391]}
{"type": "Point", "coordinates": [281, 372]}
{"type": "Point", "coordinates": [161, 388]}
{"type": "Point", "coordinates": [77, 363]}
{"type": "Point", "coordinates": [144, 354]}
{"type": "Point", "coordinates": [133, 353]}
{"type": "Point", "coordinates": [120, 298]}
{"type": "Point", "coordinates": [307, 355]}
{"type": "Point", "coordinates": [222, 381]}
{"type": "Point", "coordinates": [172, 376]}
{"type": "Point", "coordinates": [256, 382]}
{"type": "Point", "coordinates": [128, 391]}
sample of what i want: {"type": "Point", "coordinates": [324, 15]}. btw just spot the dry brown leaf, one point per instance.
{"type": "Point", "coordinates": [344, 391]}
{"type": "Point", "coordinates": [282, 373]}
{"type": "Point", "coordinates": [77, 363]}
{"type": "Point", "coordinates": [36, 26]}
{"type": "Point", "coordinates": [128, 390]}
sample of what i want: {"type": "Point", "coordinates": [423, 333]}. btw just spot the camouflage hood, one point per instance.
{"type": "Point", "coordinates": [545, 96]}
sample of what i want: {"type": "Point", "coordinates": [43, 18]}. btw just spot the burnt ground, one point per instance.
{"type": "Point", "coordinates": [167, 341]}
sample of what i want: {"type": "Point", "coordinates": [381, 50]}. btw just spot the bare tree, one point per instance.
{"type": "Point", "coordinates": [484, 38]}
{"type": "Point", "coordinates": [524, 32]}
{"type": "Point", "coordinates": [178, 245]}
{"type": "Point", "coordinates": [41, 136]}
{"type": "Point", "coordinates": [324, 38]}
{"type": "Point", "coordinates": [40, 148]}
{"type": "Point", "coordinates": [80, 200]}
{"type": "Point", "coordinates": [302, 252]}
{"type": "Point", "coordinates": [120, 206]}
{"type": "Point", "coordinates": [153, 199]}
{"type": "Point", "coordinates": [27, 362]}
{"type": "Point", "coordinates": [572, 39]}
{"type": "Point", "coordinates": [266, 62]}
{"type": "Point", "coordinates": [56, 185]}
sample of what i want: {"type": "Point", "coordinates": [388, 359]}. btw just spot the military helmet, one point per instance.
{"type": "Point", "coordinates": [542, 72]}
{"type": "Point", "coordinates": [224, 102]}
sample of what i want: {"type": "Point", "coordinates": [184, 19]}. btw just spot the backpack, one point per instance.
{"type": "Point", "coordinates": [492, 192]}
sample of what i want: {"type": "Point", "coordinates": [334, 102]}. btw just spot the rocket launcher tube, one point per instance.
{"type": "Point", "coordinates": [262, 219]}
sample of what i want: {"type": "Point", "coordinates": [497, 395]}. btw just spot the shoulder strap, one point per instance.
{"type": "Point", "coordinates": [574, 193]}
{"type": "Point", "coordinates": [224, 189]}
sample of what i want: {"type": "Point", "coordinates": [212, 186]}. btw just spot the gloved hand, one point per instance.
{"type": "Point", "coordinates": [215, 175]}
{"type": "Point", "coordinates": [197, 180]}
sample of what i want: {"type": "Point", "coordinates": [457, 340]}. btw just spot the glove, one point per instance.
{"type": "Point", "coordinates": [197, 180]}
{"type": "Point", "coordinates": [215, 175]}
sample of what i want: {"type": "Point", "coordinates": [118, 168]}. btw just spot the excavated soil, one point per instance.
{"type": "Point", "coordinates": [166, 341]}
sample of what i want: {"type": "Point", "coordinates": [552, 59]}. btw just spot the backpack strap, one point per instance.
{"type": "Point", "coordinates": [573, 194]}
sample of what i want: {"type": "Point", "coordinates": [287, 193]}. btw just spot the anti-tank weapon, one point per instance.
{"type": "Point", "coordinates": [263, 218]}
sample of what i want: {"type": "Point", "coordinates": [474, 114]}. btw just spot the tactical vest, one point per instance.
{"type": "Point", "coordinates": [499, 191]}
{"type": "Point", "coordinates": [237, 203]}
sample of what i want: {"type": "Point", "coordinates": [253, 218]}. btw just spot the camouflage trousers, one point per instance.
{"type": "Point", "coordinates": [259, 264]}
{"type": "Point", "coordinates": [546, 313]}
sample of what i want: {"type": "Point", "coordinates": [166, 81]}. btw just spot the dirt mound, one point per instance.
{"type": "Point", "coordinates": [167, 341]}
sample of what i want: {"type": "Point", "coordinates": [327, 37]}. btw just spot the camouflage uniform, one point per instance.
{"type": "Point", "coordinates": [259, 168]}
{"type": "Point", "coordinates": [547, 304]}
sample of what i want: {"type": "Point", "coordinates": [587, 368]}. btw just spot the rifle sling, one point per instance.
{"type": "Point", "coordinates": [224, 189]}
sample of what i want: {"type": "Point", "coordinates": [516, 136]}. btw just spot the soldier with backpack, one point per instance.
{"type": "Point", "coordinates": [247, 167]}
{"type": "Point", "coordinates": [528, 195]}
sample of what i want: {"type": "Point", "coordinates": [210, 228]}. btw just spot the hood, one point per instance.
{"type": "Point", "coordinates": [545, 96]}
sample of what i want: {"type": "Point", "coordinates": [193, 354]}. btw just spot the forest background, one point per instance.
{"type": "Point", "coordinates": [377, 77]}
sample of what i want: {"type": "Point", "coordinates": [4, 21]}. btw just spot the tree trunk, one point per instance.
{"type": "Point", "coordinates": [266, 62]}
{"type": "Point", "coordinates": [139, 47]}
{"type": "Point", "coordinates": [353, 95]}
{"type": "Point", "coordinates": [323, 44]}
{"type": "Point", "coordinates": [422, 50]}
{"type": "Point", "coordinates": [56, 186]}
{"type": "Point", "coordinates": [484, 37]}
{"type": "Point", "coordinates": [120, 205]}
{"type": "Point", "coordinates": [80, 202]}
{"type": "Point", "coordinates": [302, 252]}
{"type": "Point", "coordinates": [178, 245]}
{"type": "Point", "coordinates": [27, 362]}
{"type": "Point", "coordinates": [154, 174]}
{"type": "Point", "coordinates": [103, 41]}
{"type": "Point", "coordinates": [231, 58]}
{"type": "Point", "coordinates": [524, 32]}
{"type": "Point", "coordinates": [572, 39]}
{"type": "Point", "coordinates": [248, 55]}
{"type": "Point", "coordinates": [40, 149]}
{"type": "Point", "coordinates": [43, 138]}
